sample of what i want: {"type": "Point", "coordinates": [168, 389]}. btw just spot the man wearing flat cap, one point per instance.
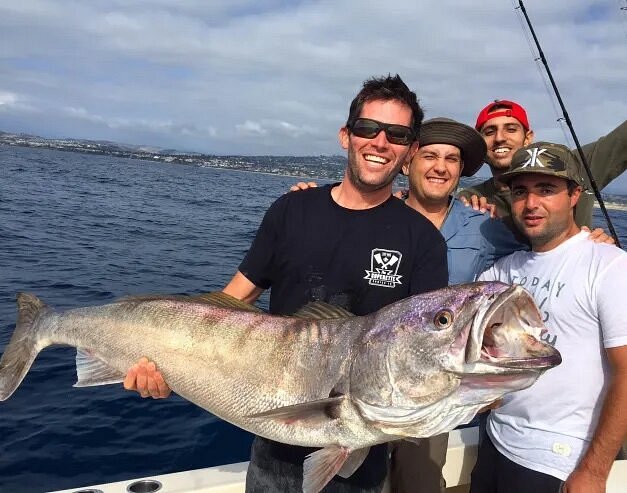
{"type": "Point", "coordinates": [448, 150]}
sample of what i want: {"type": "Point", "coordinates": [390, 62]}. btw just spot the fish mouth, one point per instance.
{"type": "Point", "coordinates": [505, 336]}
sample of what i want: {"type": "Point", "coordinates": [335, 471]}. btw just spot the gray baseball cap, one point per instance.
{"type": "Point", "coordinates": [548, 159]}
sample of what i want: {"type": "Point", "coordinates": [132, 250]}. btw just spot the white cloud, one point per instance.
{"type": "Point", "coordinates": [7, 98]}
{"type": "Point", "coordinates": [251, 128]}
{"type": "Point", "coordinates": [244, 76]}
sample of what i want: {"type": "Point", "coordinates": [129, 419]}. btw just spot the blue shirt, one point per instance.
{"type": "Point", "coordinates": [474, 242]}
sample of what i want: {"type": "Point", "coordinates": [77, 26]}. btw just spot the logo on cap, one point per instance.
{"type": "Point", "coordinates": [534, 155]}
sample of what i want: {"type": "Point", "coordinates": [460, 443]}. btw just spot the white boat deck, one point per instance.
{"type": "Point", "coordinates": [230, 478]}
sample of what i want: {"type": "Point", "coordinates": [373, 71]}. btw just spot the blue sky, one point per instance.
{"type": "Point", "coordinates": [277, 76]}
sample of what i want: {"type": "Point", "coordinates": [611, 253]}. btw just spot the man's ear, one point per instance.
{"type": "Point", "coordinates": [528, 137]}
{"type": "Point", "coordinates": [344, 137]}
{"type": "Point", "coordinates": [413, 149]}
{"type": "Point", "coordinates": [575, 196]}
{"type": "Point", "coordinates": [405, 167]}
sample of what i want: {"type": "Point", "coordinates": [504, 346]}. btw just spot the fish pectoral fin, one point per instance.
{"type": "Point", "coordinates": [313, 412]}
{"type": "Point", "coordinates": [320, 467]}
{"type": "Point", "coordinates": [352, 463]}
{"type": "Point", "coordinates": [319, 310]}
{"type": "Point", "coordinates": [91, 371]}
{"type": "Point", "coordinates": [218, 298]}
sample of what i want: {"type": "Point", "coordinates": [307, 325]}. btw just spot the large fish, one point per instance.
{"type": "Point", "coordinates": [321, 378]}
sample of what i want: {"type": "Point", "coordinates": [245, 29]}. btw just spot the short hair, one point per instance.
{"type": "Point", "coordinates": [386, 88]}
{"type": "Point", "coordinates": [497, 105]}
{"type": "Point", "coordinates": [571, 186]}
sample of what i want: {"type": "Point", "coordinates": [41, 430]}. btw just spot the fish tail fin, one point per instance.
{"type": "Point", "coordinates": [24, 345]}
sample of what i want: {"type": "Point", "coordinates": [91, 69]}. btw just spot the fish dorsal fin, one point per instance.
{"type": "Point", "coordinates": [311, 413]}
{"type": "Point", "coordinates": [319, 310]}
{"type": "Point", "coordinates": [218, 298]}
{"type": "Point", "coordinates": [215, 298]}
{"type": "Point", "coordinates": [91, 371]}
{"type": "Point", "coordinates": [153, 297]}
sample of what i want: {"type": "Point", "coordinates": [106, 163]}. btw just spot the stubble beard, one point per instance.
{"type": "Point", "coordinates": [551, 230]}
{"type": "Point", "coordinates": [355, 177]}
{"type": "Point", "coordinates": [499, 166]}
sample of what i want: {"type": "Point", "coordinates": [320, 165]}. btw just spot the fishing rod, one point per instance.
{"type": "Point", "coordinates": [566, 118]}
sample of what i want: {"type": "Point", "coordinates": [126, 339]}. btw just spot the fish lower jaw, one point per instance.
{"type": "Point", "coordinates": [499, 367]}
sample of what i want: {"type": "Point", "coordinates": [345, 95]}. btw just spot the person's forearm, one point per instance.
{"type": "Point", "coordinates": [611, 430]}
{"type": "Point", "coordinates": [607, 157]}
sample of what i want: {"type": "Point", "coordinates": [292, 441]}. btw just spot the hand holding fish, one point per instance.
{"type": "Point", "coordinates": [147, 380]}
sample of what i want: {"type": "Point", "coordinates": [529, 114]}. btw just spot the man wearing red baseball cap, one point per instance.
{"type": "Point", "coordinates": [505, 128]}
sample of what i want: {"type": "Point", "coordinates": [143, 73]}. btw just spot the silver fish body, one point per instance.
{"type": "Point", "coordinates": [413, 369]}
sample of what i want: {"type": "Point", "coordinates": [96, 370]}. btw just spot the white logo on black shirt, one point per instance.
{"type": "Point", "coordinates": [384, 266]}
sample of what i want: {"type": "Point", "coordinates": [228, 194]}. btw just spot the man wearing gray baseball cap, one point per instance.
{"type": "Point", "coordinates": [566, 430]}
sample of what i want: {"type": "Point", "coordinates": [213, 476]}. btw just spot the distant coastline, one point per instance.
{"type": "Point", "coordinates": [330, 168]}
{"type": "Point", "coordinates": [155, 154]}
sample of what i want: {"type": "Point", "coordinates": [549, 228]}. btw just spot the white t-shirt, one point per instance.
{"type": "Point", "coordinates": [580, 288]}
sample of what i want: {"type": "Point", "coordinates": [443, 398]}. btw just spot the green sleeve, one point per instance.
{"type": "Point", "coordinates": [502, 199]}
{"type": "Point", "coordinates": [470, 191]}
{"type": "Point", "coordinates": [607, 156]}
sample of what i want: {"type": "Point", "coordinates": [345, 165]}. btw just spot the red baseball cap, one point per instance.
{"type": "Point", "coordinates": [502, 108]}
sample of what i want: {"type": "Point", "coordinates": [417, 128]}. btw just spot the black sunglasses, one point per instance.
{"type": "Point", "coordinates": [369, 129]}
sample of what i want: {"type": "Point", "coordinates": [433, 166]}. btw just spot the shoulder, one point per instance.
{"type": "Point", "coordinates": [302, 197]}
{"type": "Point", "coordinates": [603, 258]}
{"type": "Point", "coordinates": [471, 221]}
{"type": "Point", "coordinates": [458, 209]}
{"type": "Point", "coordinates": [414, 219]}
{"type": "Point", "coordinates": [513, 260]}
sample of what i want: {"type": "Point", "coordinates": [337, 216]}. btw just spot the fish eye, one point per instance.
{"type": "Point", "coordinates": [443, 319]}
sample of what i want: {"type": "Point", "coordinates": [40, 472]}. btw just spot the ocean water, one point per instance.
{"type": "Point", "coordinates": [77, 230]}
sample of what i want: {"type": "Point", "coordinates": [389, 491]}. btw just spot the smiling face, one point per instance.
{"type": "Point", "coordinates": [504, 135]}
{"type": "Point", "coordinates": [542, 208]}
{"type": "Point", "coordinates": [374, 163]}
{"type": "Point", "coordinates": [434, 173]}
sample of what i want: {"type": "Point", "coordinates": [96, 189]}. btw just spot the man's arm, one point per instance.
{"type": "Point", "coordinates": [590, 476]}
{"type": "Point", "coordinates": [241, 288]}
{"type": "Point", "coordinates": [607, 156]}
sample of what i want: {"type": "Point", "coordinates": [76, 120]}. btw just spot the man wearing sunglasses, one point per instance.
{"type": "Point", "coordinates": [350, 244]}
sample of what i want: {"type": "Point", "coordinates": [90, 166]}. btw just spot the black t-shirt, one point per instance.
{"type": "Point", "coordinates": [308, 248]}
